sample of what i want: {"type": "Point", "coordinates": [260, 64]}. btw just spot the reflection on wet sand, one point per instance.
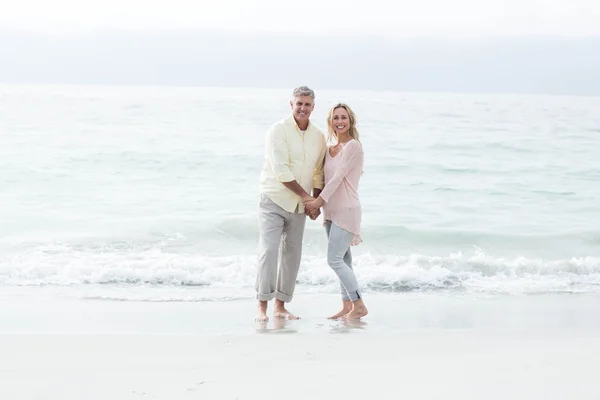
{"type": "Point", "coordinates": [346, 326]}
{"type": "Point", "coordinates": [281, 325]}
{"type": "Point", "coordinates": [277, 325]}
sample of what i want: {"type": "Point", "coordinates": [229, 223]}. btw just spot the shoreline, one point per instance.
{"type": "Point", "coordinates": [388, 313]}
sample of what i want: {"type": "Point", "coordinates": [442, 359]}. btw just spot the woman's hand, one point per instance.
{"type": "Point", "coordinates": [314, 204]}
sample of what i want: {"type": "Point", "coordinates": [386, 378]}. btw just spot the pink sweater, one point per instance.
{"type": "Point", "coordinates": [342, 175]}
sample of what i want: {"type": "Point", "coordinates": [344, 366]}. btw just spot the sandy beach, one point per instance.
{"type": "Point", "coordinates": [506, 348]}
{"type": "Point", "coordinates": [424, 365]}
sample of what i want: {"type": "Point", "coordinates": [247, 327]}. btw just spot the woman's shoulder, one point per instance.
{"type": "Point", "coordinates": [354, 145]}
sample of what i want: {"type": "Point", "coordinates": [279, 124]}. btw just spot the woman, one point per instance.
{"type": "Point", "coordinates": [341, 205]}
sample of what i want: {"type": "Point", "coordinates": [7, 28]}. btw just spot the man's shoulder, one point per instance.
{"type": "Point", "coordinates": [317, 129]}
{"type": "Point", "coordinates": [320, 134]}
{"type": "Point", "coordinates": [279, 125]}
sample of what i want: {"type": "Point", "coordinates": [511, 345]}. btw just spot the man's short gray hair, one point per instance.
{"type": "Point", "coordinates": [303, 91]}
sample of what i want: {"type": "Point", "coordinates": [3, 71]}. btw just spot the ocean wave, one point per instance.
{"type": "Point", "coordinates": [436, 237]}
{"type": "Point", "coordinates": [65, 266]}
{"type": "Point", "coordinates": [244, 229]}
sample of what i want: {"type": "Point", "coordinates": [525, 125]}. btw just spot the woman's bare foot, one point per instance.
{"type": "Point", "coordinates": [339, 314]}
{"type": "Point", "coordinates": [358, 311]}
{"type": "Point", "coordinates": [346, 308]}
{"type": "Point", "coordinates": [262, 312]}
{"type": "Point", "coordinates": [281, 312]}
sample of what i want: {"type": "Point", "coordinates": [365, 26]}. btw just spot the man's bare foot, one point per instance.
{"type": "Point", "coordinates": [261, 317]}
{"type": "Point", "coordinates": [262, 312]}
{"type": "Point", "coordinates": [358, 311]}
{"type": "Point", "coordinates": [285, 314]}
{"type": "Point", "coordinates": [281, 312]}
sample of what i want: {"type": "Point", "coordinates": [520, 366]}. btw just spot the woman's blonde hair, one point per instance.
{"type": "Point", "coordinates": [353, 132]}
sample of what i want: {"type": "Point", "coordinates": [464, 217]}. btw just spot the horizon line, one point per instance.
{"type": "Point", "coordinates": [278, 88]}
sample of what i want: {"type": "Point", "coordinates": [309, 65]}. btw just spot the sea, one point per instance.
{"type": "Point", "coordinates": [151, 193]}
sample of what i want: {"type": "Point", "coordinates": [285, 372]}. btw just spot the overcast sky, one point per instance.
{"type": "Point", "coordinates": [422, 17]}
{"type": "Point", "coordinates": [467, 45]}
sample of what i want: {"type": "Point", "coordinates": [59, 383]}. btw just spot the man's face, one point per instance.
{"type": "Point", "coordinates": [302, 107]}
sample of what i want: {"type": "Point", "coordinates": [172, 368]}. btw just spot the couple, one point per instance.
{"type": "Point", "coordinates": [298, 161]}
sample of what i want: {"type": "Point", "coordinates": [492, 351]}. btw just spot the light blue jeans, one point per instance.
{"type": "Point", "coordinates": [339, 259]}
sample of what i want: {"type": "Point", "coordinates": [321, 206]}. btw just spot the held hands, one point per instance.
{"type": "Point", "coordinates": [313, 214]}
{"type": "Point", "coordinates": [312, 206]}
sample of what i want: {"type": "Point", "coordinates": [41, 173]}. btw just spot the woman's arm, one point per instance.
{"type": "Point", "coordinates": [350, 156]}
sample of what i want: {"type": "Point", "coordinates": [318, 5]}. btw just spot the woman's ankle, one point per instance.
{"type": "Point", "coordinates": [358, 304]}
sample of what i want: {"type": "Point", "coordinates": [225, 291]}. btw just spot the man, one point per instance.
{"type": "Point", "coordinates": [295, 152]}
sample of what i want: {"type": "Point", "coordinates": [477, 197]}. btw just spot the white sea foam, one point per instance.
{"type": "Point", "coordinates": [233, 276]}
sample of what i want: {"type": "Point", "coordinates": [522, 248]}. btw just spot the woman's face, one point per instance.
{"type": "Point", "coordinates": [340, 120]}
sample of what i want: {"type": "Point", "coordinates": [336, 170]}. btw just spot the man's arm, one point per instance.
{"type": "Point", "coordinates": [280, 161]}
{"type": "Point", "coordinates": [277, 151]}
{"type": "Point", "coordinates": [296, 188]}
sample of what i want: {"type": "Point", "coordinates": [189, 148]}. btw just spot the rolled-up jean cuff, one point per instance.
{"type": "Point", "coordinates": [354, 296]}
{"type": "Point", "coordinates": [265, 297]}
{"type": "Point", "coordinates": [283, 297]}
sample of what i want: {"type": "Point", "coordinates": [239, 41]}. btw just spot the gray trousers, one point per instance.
{"type": "Point", "coordinates": [339, 259]}
{"type": "Point", "coordinates": [279, 251]}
